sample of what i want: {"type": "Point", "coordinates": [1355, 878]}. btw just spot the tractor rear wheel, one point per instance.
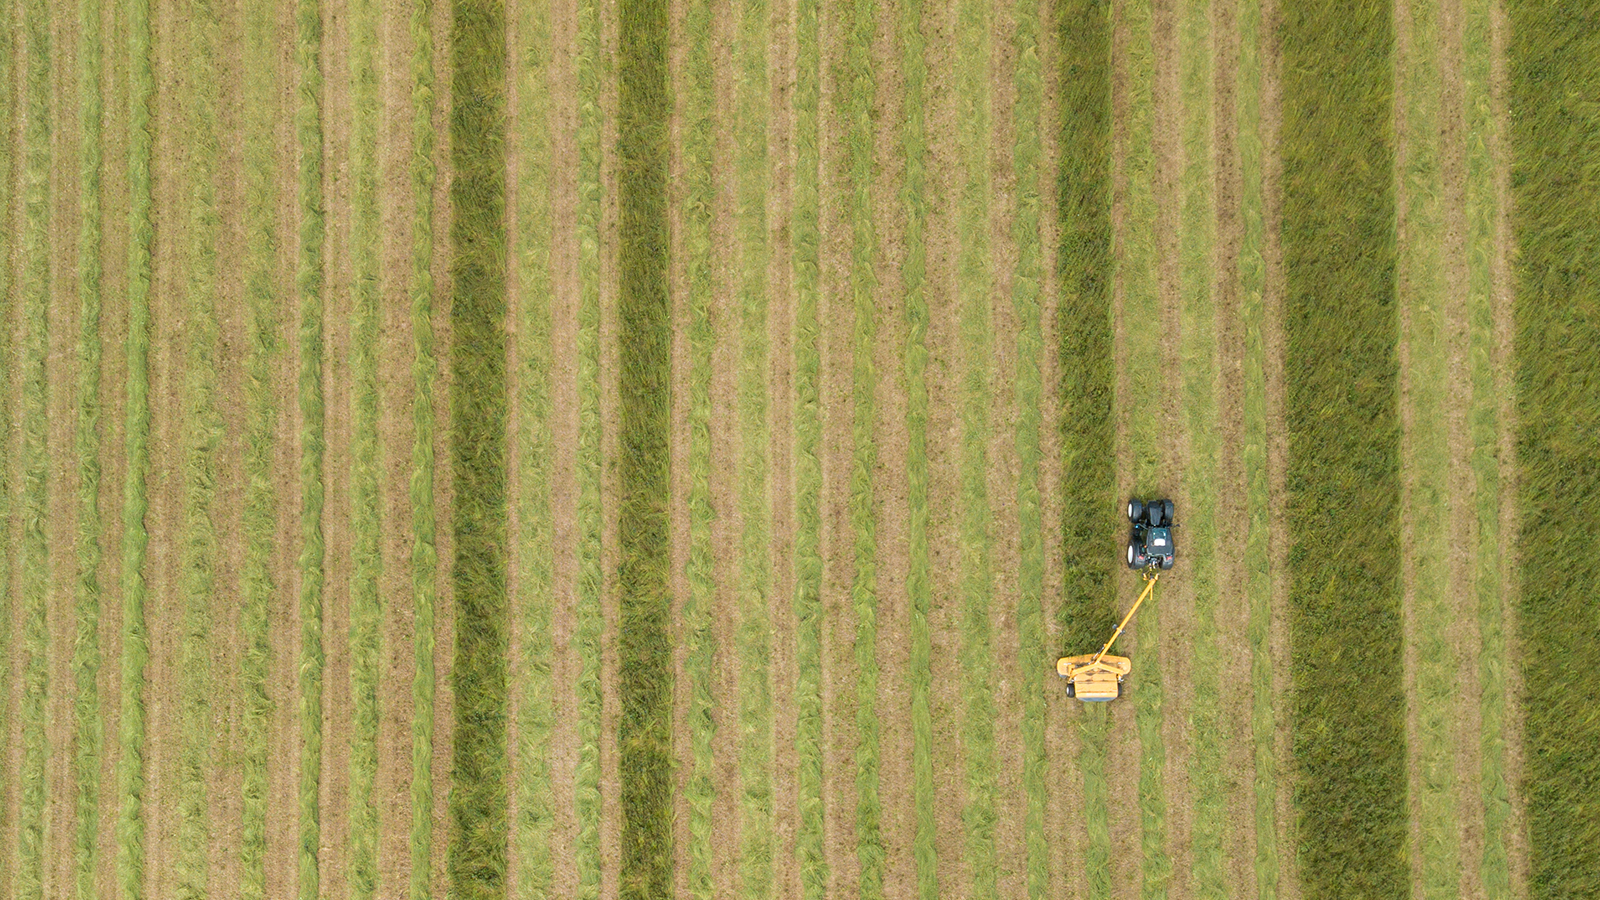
{"type": "Point", "coordinates": [1135, 510]}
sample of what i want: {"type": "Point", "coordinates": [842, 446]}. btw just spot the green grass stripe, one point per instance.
{"type": "Point", "coordinates": [7, 386]}
{"type": "Point", "coordinates": [1026, 294]}
{"type": "Point", "coordinates": [1253, 451]}
{"type": "Point", "coordinates": [478, 800]}
{"type": "Point", "coordinates": [1141, 313]}
{"type": "Point", "coordinates": [1343, 466]}
{"type": "Point", "coordinates": [592, 73]}
{"type": "Point", "coordinates": [972, 289]}
{"type": "Point", "coordinates": [644, 664]}
{"type": "Point", "coordinates": [1482, 212]}
{"type": "Point", "coordinates": [755, 582]}
{"type": "Point", "coordinates": [1208, 876]}
{"type": "Point", "coordinates": [1084, 263]}
{"type": "Point", "coordinates": [260, 432]}
{"type": "Point", "coordinates": [309, 280]}
{"type": "Point", "coordinates": [88, 723]}
{"type": "Point", "coordinates": [859, 91]}
{"type": "Point", "coordinates": [424, 370]}
{"type": "Point", "coordinates": [1421, 271]}
{"type": "Point", "coordinates": [913, 199]}
{"type": "Point", "coordinates": [136, 452]}
{"type": "Point", "coordinates": [34, 585]}
{"type": "Point", "coordinates": [366, 525]}
{"type": "Point", "coordinates": [203, 432]}
{"type": "Point", "coordinates": [805, 233]}
{"type": "Point", "coordinates": [1555, 140]}
{"type": "Point", "coordinates": [699, 134]}
{"type": "Point", "coordinates": [535, 571]}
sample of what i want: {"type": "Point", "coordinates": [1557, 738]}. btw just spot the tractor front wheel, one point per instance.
{"type": "Point", "coordinates": [1135, 510]}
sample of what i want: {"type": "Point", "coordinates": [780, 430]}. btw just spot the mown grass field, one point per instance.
{"type": "Point", "coordinates": [558, 449]}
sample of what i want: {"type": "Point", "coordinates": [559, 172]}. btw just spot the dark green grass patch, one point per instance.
{"type": "Point", "coordinates": [1343, 468]}
{"type": "Point", "coordinates": [478, 799]}
{"type": "Point", "coordinates": [1555, 143]}
{"type": "Point", "coordinates": [645, 657]}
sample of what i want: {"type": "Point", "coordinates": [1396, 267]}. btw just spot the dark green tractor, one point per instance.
{"type": "Point", "coordinates": [1150, 545]}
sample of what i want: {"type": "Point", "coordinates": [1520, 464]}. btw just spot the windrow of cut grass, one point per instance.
{"type": "Point", "coordinates": [859, 95]}
{"type": "Point", "coordinates": [644, 662]}
{"type": "Point", "coordinates": [913, 277]}
{"type": "Point", "coordinates": [1555, 141]}
{"type": "Point", "coordinates": [34, 286]}
{"type": "Point", "coordinates": [478, 446]}
{"type": "Point", "coordinates": [1251, 274]}
{"type": "Point", "coordinates": [1144, 421]}
{"type": "Point", "coordinates": [203, 432]}
{"type": "Point", "coordinates": [309, 282]}
{"type": "Point", "coordinates": [7, 387]}
{"type": "Point", "coordinates": [424, 524]}
{"type": "Point", "coordinates": [1343, 465]}
{"type": "Point", "coordinates": [972, 297]}
{"type": "Point", "coordinates": [755, 580]}
{"type": "Point", "coordinates": [1489, 384]}
{"type": "Point", "coordinates": [260, 516]}
{"type": "Point", "coordinates": [533, 571]}
{"type": "Point", "coordinates": [366, 524]}
{"type": "Point", "coordinates": [592, 72]}
{"type": "Point", "coordinates": [88, 728]}
{"type": "Point", "coordinates": [698, 130]}
{"type": "Point", "coordinates": [805, 231]}
{"type": "Point", "coordinates": [1084, 264]}
{"type": "Point", "coordinates": [1199, 367]}
{"type": "Point", "coordinates": [136, 453]}
{"type": "Point", "coordinates": [1425, 443]}
{"type": "Point", "coordinates": [1026, 296]}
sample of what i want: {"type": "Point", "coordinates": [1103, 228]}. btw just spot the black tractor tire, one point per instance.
{"type": "Point", "coordinates": [1166, 512]}
{"type": "Point", "coordinates": [1166, 562]}
{"type": "Point", "coordinates": [1136, 560]}
{"type": "Point", "coordinates": [1135, 510]}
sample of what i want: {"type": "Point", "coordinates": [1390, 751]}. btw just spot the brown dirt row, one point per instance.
{"type": "Point", "coordinates": [943, 379]}
{"type": "Point", "coordinates": [610, 417]}
{"type": "Point", "coordinates": [397, 669]}
{"type": "Point", "coordinates": [10, 705]}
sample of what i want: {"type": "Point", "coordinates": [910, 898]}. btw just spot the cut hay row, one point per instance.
{"type": "Point", "coordinates": [755, 580]}
{"type": "Point", "coordinates": [859, 91]}
{"type": "Point", "coordinates": [309, 280]}
{"type": "Point", "coordinates": [913, 273]}
{"type": "Point", "coordinates": [644, 322]}
{"type": "Point", "coordinates": [1343, 441]}
{"type": "Point", "coordinates": [1026, 296]}
{"type": "Point", "coordinates": [535, 544]}
{"type": "Point", "coordinates": [34, 582]}
{"type": "Point", "coordinates": [1555, 142]}
{"type": "Point", "coordinates": [1142, 307]}
{"type": "Point", "coordinates": [261, 421]}
{"type": "Point", "coordinates": [1488, 385]}
{"type": "Point", "coordinates": [478, 802]}
{"type": "Point", "coordinates": [366, 609]}
{"type": "Point", "coordinates": [591, 73]}
{"type": "Point", "coordinates": [424, 370]}
{"type": "Point", "coordinates": [972, 299]}
{"type": "Point", "coordinates": [88, 724]}
{"type": "Point", "coordinates": [699, 131]}
{"type": "Point", "coordinates": [1253, 452]}
{"type": "Point", "coordinates": [7, 410]}
{"type": "Point", "coordinates": [807, 599]}
{"type": "Point", "coordinates": [1085, 265]}
{"type": "Point", "coordinates": [1425, 443]}
{"type": "Point", "coordinates": [202, 429]}
{"type": "Point", "coordinates": [1199, 367]}
{"type": "Point", "coordinates": [136, 452]}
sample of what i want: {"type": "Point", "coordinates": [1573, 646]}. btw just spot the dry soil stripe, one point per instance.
{"type": "Point", "coordinates": [9, 147]}
{"type": "Point", "coordinates": [533, 584]}
{"type": "Point", "coordinates": [1485, 155]}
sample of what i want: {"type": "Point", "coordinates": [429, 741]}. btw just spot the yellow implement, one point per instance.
{"type": "Point", "coordinates": [1096, 676]}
